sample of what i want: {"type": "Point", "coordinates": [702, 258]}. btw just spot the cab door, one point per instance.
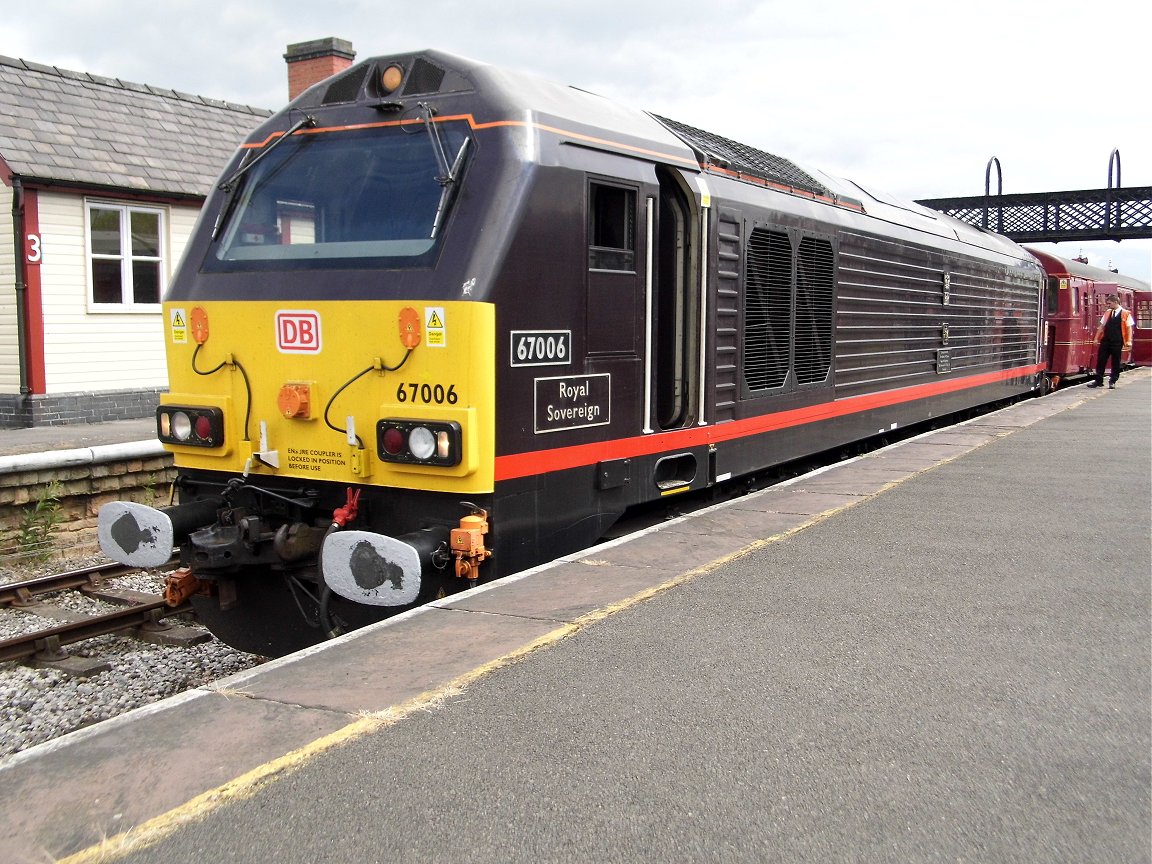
{"type": "Point", "coordinates": [675, 306]}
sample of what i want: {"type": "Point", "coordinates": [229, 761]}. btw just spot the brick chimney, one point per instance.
{"type": "Point", "coordinates": [310, 62]}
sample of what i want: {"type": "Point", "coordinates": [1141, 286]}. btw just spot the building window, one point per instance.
{"type": "Point", "coordinates": [126, 255]}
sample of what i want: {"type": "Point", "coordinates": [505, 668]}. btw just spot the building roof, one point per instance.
{"type": "Point", "coordinates": [59, 126]}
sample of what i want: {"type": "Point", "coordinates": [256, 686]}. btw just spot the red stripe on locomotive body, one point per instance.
{"type": "Point", "coordinates": [518, 465]}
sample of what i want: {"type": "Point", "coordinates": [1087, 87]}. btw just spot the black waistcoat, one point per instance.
{"type": "Point", "coordinates": [1113, 331]}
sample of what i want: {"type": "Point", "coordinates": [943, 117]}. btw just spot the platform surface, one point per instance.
{"type": "Point", "coordinates": [45, 439]}
{"type": "Point", "coordinates": [936, 652]}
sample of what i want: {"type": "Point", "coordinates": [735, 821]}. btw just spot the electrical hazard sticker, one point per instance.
{"type": "Point", "coordinates": [178, 324]}
{"type": "Point", "coordinates": [435, 329]}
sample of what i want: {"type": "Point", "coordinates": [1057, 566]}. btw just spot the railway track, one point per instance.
{"type": "Point", "coordinates": [41, 699]}
{"type": "Point", "coordinates": [142, 615]}
{"type": "Point", "coordinates": [24, 593]}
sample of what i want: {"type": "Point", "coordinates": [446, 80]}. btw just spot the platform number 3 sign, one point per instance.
{"type": "Point", "coordinates": [34, 253]}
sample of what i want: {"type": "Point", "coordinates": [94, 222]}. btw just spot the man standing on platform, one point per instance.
{"type": "Point", "coordinates": [1114, 336]}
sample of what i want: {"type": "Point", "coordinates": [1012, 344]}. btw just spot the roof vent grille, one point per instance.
{"type": "Point", "coordinates": [425, 77]}
{"type": "Point", "coordinates": [731, 155]}
{"type": "Point", "coordinates": [347, 87]}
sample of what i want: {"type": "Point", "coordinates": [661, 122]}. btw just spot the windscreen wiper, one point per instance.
{"type": "Point", "coordinates": [306, 120]}
{"type": "Point", "coordinates": [448, 173]}
{"type": "Point", "coordinates": [229, 186]}
{"type": "Point", "coordinates": [448, 188]}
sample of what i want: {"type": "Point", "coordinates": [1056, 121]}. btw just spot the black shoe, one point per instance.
{"type": "Point", "coordinates": [1094, 384]}
{"type": "Point", "coordinates": [1111, 386]}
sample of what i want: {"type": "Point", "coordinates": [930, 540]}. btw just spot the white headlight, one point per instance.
{"type": "Point", "coordinates": [421, 442]}
{"type": "Point", "coordinates": [181, 426]}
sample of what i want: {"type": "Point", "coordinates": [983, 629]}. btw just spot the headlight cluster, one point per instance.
{"type": "Point", "coordinates": [191, 426]}
{"type": "Point", "coordinates": [418, 442]}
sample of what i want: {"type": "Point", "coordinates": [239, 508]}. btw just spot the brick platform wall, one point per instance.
{"type": "Point", "coordinates": [25, 412]}
{"type": "Point", "coordinates": [83, 489]}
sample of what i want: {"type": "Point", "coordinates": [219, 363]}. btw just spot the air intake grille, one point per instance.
{"type": "Point", "coordinates": [425, 77]}
{"type": "Point", "coordinates": [767, 309]}
{"type": "Point", "coordinates": [726, 153]}
{"type": "Point", "coordinates": [815, 276]}
{"type": "Point", "coordinates": [346, 88]}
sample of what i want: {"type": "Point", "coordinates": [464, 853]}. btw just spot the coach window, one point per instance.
{"type": "Point", "coordinates": [612, 232]}
{"type": "Point", "coordinates": [125, 257]}
{"type": "Point", "coordinates": [1144, 314]}
{"type": "Point", "coordinates": [1054, 286]}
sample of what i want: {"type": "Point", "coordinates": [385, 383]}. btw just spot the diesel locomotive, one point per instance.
{"type": "Point", "coordinates": [440, 322]}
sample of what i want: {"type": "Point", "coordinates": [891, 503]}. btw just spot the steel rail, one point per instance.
{"type": "Point", "coordinates": [47, 642]}
{"type": "Point", "coordinates": [16, 594]}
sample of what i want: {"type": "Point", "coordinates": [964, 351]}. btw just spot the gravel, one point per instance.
{"type": "Point", "coordinates": [37, 705]}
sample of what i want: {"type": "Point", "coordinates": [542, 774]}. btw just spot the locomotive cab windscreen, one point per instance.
{"type": "Point", "coordinates": [317, 200]}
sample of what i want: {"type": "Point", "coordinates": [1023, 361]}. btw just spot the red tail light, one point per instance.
{"type": "Point", "coordinates": [419, 442]}
{"type": "Point", "coordinates": [191, 426]}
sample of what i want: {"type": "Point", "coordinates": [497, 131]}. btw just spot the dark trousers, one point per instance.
{"type": "Point", "coordinates": [1108, 351]}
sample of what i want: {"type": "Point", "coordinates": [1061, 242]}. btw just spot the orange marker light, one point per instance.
{"type": "Point", "coordinates": [199, 325]}
{"type": "Point", "coordinates": [409, 327]}
{"type": "Point", "coordinates": [390, 78]}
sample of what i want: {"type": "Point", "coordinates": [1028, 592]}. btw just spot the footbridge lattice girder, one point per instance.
{"type": "Point", "coordinates": [1051, 217]}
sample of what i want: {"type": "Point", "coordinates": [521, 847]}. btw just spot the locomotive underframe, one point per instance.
{"type": "Point", "coordinates": [242, 554]}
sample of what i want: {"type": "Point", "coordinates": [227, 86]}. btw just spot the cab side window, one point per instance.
{"type": "Point", "coordinates": [612, 228]}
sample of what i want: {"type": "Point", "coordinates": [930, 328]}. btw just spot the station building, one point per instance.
{"type": "Point", "coordinates": [101, 182]}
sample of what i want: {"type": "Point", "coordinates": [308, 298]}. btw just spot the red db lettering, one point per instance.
{"type": "Point", "coordinates": [298, 332]}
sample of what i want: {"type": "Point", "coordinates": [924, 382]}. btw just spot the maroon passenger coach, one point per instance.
{"type": "Point", "coordinates": [1075, 303]}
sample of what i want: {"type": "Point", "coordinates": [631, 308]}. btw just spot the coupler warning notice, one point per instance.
{"type": "Point", "coordinates": [315, 460]}
{"type": "Point", "coordinates": [573, 402]}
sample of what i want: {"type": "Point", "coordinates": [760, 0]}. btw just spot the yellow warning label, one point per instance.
{"type": "Point", "coordinates": [179, 326]}
{"type": "Point", "coordinates": [435, 329]}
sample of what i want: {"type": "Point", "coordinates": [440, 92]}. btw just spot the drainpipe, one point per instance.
{"type": "Point", "coordinates": [21, 281]}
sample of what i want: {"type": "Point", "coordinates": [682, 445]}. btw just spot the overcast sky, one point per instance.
{"type": "Point", "coordinates": [907, 96]}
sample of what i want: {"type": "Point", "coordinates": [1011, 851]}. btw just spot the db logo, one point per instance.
{"type": "Point", "coordinates": [298, 332]}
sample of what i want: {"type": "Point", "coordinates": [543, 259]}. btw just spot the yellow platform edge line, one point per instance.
{"type": "Point", "coordinates": [158, 828]}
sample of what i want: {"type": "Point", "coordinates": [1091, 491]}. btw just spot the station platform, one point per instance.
{"type": "Point", "coordinates": [940, 651]}
{"type": "Point", "coordinates": [47, 439]}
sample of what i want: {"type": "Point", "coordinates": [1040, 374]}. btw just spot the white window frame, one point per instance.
{"type": "Point", "coordinates": [126, 258]}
